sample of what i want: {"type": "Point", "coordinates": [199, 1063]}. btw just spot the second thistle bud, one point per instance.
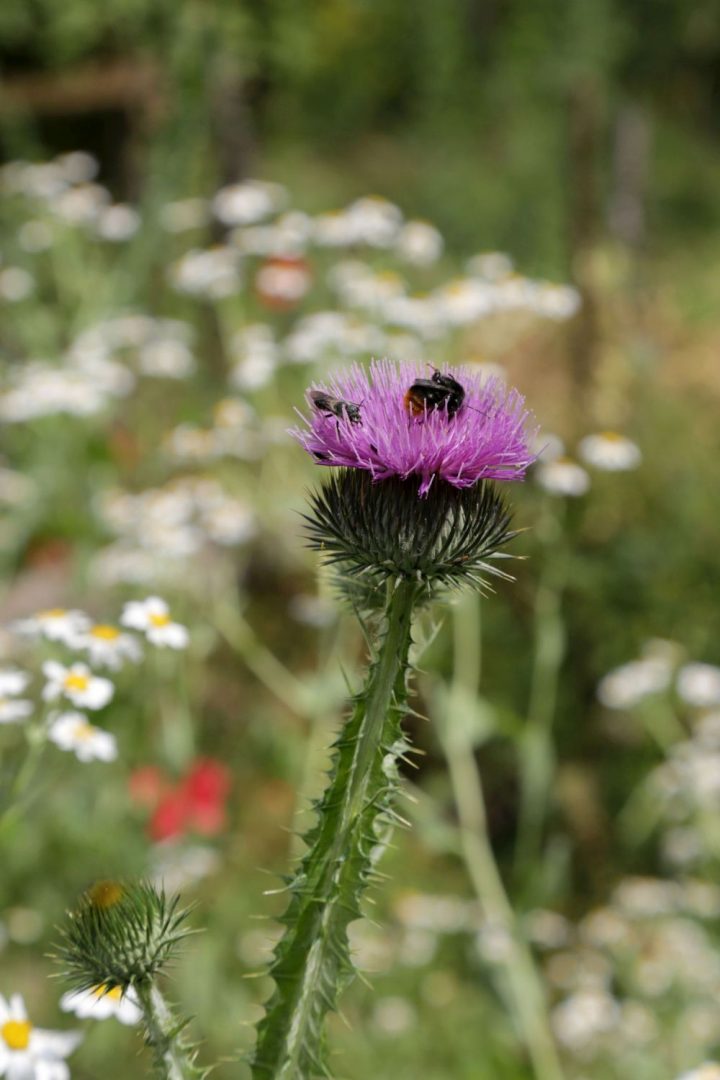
{"type": "Point", "coordinates": [120, 935]}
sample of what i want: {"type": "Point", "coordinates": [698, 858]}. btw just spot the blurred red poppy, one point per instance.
{"type": "Point", "coordinates": [195, 804]}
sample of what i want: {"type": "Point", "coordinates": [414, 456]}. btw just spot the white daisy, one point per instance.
{"type": "Point", "coordinates": [374, 221]}
{"type": "Point", "coordinates": [77, 683]}
{"type": "Point", "coordinates": [247, 202]}
{"type": "Point", "coordinates": [71, 731]}
{"type": "Point", "coordinates": [12, 681]}
{"type": "Point", "coordinates": [30, 1053]}
{"type": "Point", "coordinates": [583, 1016]}
{"type": "Point", "coordinates": [99, 1003]}
{"type": "Point", "coordinates": [562, 477]}
{"type": "Point", "coordinates": [117, 223]}
{"type": "Point", "coordinates": [56, 624]}
{"type": "Point", "coordinates": [152, 616]}
{"type": "Point", "coordinates": [109, 647]}
{"type": "Point", "coordinates": [214, 273]}
{"type": "Point", "coordinates": [419, 243]}
{"type": "Point", "coordinates": [14, 709]}
{"type": "Point", "coordinates": [699, 685]}
{"type": "Point", "coordinates": [628, 685]}
{"type": "Point", "coordinates": [16, 284]}
{"type": "Point", "coordinates": [610, 451]}
{"type": "Point", "coordinates": [709, 1070]}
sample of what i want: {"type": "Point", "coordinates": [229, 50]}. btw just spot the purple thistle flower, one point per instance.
{"type": "Point", "coordinates": [486, 438]}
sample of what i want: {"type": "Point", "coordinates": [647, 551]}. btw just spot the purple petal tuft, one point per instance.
{"type": "Point", "coordinates": [488, 438]}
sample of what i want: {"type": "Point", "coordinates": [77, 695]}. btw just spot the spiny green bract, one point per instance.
{"type": "Point", "coordinates": [371, 531]}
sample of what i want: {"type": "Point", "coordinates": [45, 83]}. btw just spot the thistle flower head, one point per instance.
{"type": "Point", "coordinates": [406, 420]}
{"type": "Point", "coordinates": [120, 936]}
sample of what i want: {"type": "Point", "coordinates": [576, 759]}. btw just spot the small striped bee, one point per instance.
{"type": "Point", "coordinates": [332, 406]}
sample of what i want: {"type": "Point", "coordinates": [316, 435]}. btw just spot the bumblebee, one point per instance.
{"type": "Point", "coordinates": [426, 395]}
{"type": "Point", "coordinates": [332, 406]}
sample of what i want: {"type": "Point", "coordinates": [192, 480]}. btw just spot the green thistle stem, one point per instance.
{"type": "Point", "coordinates": [173, 1061]}
{"type": "Point", "coordinates": [312, 963]}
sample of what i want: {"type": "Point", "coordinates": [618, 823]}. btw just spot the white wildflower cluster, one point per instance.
{"type": "Point", "coordinates": [14, 707]}
{"type": "Point", "coordinates": [65, 194]}
{"type": "Point", "coordinates": [248, 202]}
{"type": "Point", "coordinates": [41, 388]}
{"type": "Point", "coordinates": [684, 792]}
{"type": "Point", "coordinates": [166, 526]}
{"type": "Point", "coordinates": [386, 296]}
{"type": "Point", "coordinates": [560, 474]}
{"type": "Point", "coordinates": [213, 273]}
{"type": "Point", "coordinates": [630, 684]}
{"type": "Point", "coordinates": [141, 344]}
{"type": "Point", "coordinates": [289, 235]}
{"type": "Point", "coordinates": [256, 356]}
{"type": "Point", "coordinates": [320, 337]}
{"type": "Point", "coordinates": [101, 366]}
{"type": "Point", "coordinates": [325, 334]}
{"type": "Point", "coordinates": [696, 685]}
{"type": "Point", "coordinates": [236, 432]}
{"type": "Point", "coordinates": [680, 798]}
{"type": "Point", "coordinates": [380, 269]}
{"type": "Point", "coordinates": [285, 278]}
{"type": "Point", "coordinates": [623, 965]}
{"type": "Point", "coordinates": [709, 1070]}
{"type": "Point", "coordinates": [71, 688]}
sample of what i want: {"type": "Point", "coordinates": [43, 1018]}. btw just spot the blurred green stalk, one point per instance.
{"type": "Point", "coordinates": [535, 746]}
{"type": "Point", "coordinates": [36, 740]}
{"type": "Point", "coordinates": [525, 993]}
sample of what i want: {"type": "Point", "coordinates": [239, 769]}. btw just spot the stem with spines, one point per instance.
{"type": "Point", "coordinates": [173, 1059]}
{"type": "Point", "coordinates": [312, 963]}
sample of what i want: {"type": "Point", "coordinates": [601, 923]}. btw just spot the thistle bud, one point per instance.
{"type": "Point", "coordinates": [120, 935]}
{"type": "Point", "coordinates": [376, 530]}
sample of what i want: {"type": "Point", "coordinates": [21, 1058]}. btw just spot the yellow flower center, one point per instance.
{"type": "Point", "coordinates": [102, 991]}
{"type": "Point", "coordinates": [613, 436]}
{"type": "Point", "coordinates": [52, 613]}
{"type": "Point", "coordinates": [105, 633]}
{"type": "Point", "coordinates": [73, 681]}
{"type": "Point", "coordinates": [160, 620]}
{"type": "Point", "coordinates": [16, 1034]}
{"type": "Point", "coordinates": [104, 894]}
{"type": "Point", "coordinates": [83, 732]}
